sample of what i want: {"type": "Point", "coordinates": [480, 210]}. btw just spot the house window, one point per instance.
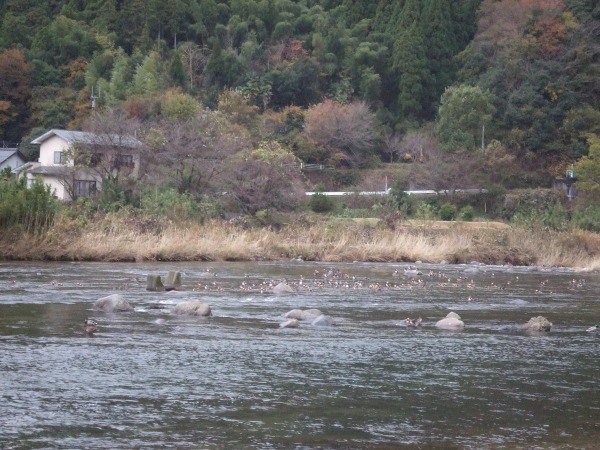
{"type": "Point", "coordinates": [95, 159]}
{"type": "Point", "coordinates": [123, 161]}
{"type": "Point", "coordinates": [84, 188]}
{"type": "Point", "coordinates": [59, 158]}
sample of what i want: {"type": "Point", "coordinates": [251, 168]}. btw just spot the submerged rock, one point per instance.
{"type": "Point", "coordinates": [323, 321]}
{"type": "Point", "coordinates": [283, 288]}
{"type": "Point", "coordinates": [299, 314]}
{"type": "Point", "coordinates": [112, 303]}
{"type": "Point", "coordinates": [290, 323]}
{"type": "Point", "coordinates": [538, 323]}
{"type": "Point", "coordinates": [192, 308]}
{"type": "Point", "coordinates": [412, 272]}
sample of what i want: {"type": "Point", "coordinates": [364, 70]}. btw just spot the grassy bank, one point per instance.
{"type": "Point", "coordinates": [112, 238]}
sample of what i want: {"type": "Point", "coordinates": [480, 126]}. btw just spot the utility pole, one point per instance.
{"type": "Point", "coordinates": [483, 137]}
{"type": "Point", "coordinates": [93, 98]}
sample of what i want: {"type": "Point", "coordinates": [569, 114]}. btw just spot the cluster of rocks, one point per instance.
{"type": "Point", "coordinates": [117, 303]}
{"type": "Point", "coordinates": [315, 317]}
{"type": "Point", "coordinates": [453, 322]}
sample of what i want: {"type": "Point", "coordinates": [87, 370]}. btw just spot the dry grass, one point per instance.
{"type": "Point", "coordinates": [117, 239]}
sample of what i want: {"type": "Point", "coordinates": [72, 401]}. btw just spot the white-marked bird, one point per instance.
{"type": "Point", "coordinates": [89, 327]}
{"type": "Point", "coordinates": [413, 323]}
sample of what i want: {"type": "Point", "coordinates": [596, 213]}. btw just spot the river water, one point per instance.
{"type": "Point", "coordinates": [150, 379]}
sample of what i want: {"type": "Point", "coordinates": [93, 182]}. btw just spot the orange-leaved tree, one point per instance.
{"type": "Point", "coordinates": [15, 92]}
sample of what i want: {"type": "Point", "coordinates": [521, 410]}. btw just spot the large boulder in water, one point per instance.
{"type": "Point", "coordinates": [192, 308]}
{"type": "Point", "coordinates": [299, 314]}
{"type": "Point", "coordinates": [112, 303]}
{"type": "Point", "coordinates": [450, 322]}
{"type": "Point", "coordinates": [538, 323]}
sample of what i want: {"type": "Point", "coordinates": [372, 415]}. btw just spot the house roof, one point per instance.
{"type": "Point", "coordinates": [6, 153]}
{"type": "Point", "coordinates": [51, 170]}
{"type": "Point", "coordinates": [83, 137]}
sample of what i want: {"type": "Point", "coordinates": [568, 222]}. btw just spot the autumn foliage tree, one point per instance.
{"type": "Point", "coordinates": [347, 131]}
{"type": "Point", "coordinates": [267, 177]}
{"type": "Point", "coordinates": [191, 156]}
{"type": "Point", "coordinates": [15, 92]}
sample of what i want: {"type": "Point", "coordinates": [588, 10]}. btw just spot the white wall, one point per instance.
{"type": "Point", "coordinates": [48, 147]}
{"type": "Point", "coordinates": [56, 186]}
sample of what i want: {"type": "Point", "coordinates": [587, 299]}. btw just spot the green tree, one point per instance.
{"type": "Point", "coordinates": [63, 40]}
{"type": "Point", "coordinates": [587, 169]}
{"type": "Point", "coordinates": [411, 63]}
{"type": "Point", "coordinates": [177, 106]}
{"type": "Point", "coordinates": [121, 77]}
{"type": "Point", "coordinates": [295, 84]}
{"type": "Point", "coordinates": [177, 71]}
{"type": "Point", "coordinates": [223, 67]}
{"type": "Point", "coordinates": [147, 79]}
{"type": "Point", "coordinates": [464, 110]}
{"type": "Point", "coordinates": [437, 26]}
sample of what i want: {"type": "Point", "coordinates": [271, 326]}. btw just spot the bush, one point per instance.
{"type": "Point", "coordinates": [448, 212]}
{"type": "Point", "coordinates": [530, 202]}
{"type": "Point", "coordinates": [172, 205]}
{"type": "Point", "coordinates": [554, 218]}
{"type": "Point", "coordinates": [320, 203]}
{"type": "Point", "coordinates": [588, 218]}
{"type": "Point", "coordinates": [467, 213]}
{"type": "Point", "coordinates": [32, 209]}
{"type": "Point", "coordinates": [425, 211]}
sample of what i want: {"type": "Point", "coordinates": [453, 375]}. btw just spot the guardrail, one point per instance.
{"type": "Point", "coordinates": [416, 192]}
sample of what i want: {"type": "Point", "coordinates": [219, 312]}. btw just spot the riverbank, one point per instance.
{"type": "Point", "coordinates": [113, 238]}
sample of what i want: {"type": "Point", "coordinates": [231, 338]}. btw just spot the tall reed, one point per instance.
{"type": "Point", "coordinates": [114, 238]}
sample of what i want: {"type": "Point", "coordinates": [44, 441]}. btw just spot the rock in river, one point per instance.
{"type": "Point", "coordinates": [192, 308]}
{"type": "Point", "coordinates": [112, 303]}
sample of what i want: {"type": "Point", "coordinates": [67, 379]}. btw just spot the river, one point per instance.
{"type": "Point", "coordinates": [151, 379]}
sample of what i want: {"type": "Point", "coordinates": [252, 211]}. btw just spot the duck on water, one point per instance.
{"type": "Point", "coordinates": [89, 327]}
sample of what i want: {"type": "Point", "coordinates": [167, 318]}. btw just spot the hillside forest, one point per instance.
{"type": "Point", "coordinates": [236, 95]}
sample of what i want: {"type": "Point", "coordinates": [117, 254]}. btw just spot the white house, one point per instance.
{"type": "Point", "coordinates": [74, 163]}
{"type": "Point", "coordinates": [11, 157]}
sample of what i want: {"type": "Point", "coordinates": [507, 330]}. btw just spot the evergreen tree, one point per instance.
{"type": "Point", "coordinates": [177, 71]}
{"type": "Point", "coordinates": [411, 63]}
{"type": "Point", "coordinates": [463, 111]}
{"type": "Point", "coordinates": [441, 46]}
